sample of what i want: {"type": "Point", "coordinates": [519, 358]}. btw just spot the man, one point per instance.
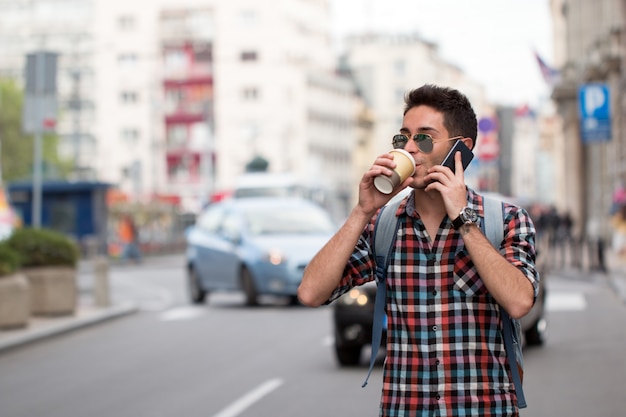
{"type": "Point", "coordinates": [445, 351]}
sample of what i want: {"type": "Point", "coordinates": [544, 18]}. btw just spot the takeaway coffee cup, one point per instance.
{"type": "Point", "coordinates": [405, 167]}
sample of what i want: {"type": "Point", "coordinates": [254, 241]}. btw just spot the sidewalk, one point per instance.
{"type": "Point", "coordinates": [615, 272]}
{"type": "Point", "coordinates": [87, 314]}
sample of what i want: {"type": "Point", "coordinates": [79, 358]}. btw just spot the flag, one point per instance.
{"type": "Point", "coordinates": [550, 75]}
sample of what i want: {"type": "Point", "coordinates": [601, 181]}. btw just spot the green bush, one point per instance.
{"type": "Point", "coordinates": [9, 259]}
{"type": "Point", "coordinates": [43, 247]}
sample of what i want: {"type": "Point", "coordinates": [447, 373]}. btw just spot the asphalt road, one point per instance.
{"type": "Point", "coordinates": [226, 360]}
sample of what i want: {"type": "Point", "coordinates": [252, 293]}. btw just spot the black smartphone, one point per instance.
{"type": "Point", "coordinates": [466, 155]}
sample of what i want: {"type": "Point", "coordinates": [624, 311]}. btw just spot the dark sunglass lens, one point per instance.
{"type": "Point", "coordinates": [399, 141]}
{"type": "Point", "coordinates": [424, 142]}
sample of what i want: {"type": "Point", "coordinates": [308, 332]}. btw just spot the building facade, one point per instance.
{"type": "Point", "coordinates": [172, 99]}
{"type": "Point", "coordinates": [589, 48]}
{"type": "Point", "coordinates": [386, 67]}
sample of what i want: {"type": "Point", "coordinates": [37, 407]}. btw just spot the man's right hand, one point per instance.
{"type": "Point", "coordinates": [370, 199]}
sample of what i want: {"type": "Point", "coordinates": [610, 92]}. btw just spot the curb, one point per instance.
{"type": "Point", "coordinates": [20, 338]}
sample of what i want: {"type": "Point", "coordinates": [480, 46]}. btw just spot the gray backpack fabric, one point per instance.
{"type": "Point", "coordinates": [385, 232]}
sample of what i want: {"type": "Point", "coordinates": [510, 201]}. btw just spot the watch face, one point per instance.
{"type": "Point", "coordinates": [469, 215]}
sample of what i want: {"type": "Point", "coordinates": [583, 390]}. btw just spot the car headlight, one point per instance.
{"type": "Point", "coordinates": [275, 257]}
{"type": "Point", "coordinates": [355, 296]}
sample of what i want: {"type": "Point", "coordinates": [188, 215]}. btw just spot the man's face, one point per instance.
{"type": "Point", "coordinates": [424, 119]}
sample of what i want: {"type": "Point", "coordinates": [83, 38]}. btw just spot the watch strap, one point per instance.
{"type": "Point", "coordinates": [458, 222]}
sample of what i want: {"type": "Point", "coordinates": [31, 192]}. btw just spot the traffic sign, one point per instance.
{"type": "Point", "coordinates": [595, 112]}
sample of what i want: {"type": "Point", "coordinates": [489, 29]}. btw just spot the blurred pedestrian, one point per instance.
{"type": "Point", "coordinates": [445, 281]}
{"type": "Point", "coordinates": [129, 238]}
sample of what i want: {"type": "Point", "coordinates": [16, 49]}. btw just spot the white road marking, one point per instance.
{"type": "Point", "coordinates": [182, 313]}
{"type": "Point", "coordinates": [566, 301]}
{"type": "Point", "coordinates": [250, 398]}
{"type": "Point", "coordinates": [147, 296]}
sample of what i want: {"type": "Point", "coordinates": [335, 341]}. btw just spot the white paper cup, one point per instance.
{"type": "Point", "coordinates": [405, 167]}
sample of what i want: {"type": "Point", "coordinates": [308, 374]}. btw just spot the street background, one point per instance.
{"type": "Point", "coordinates": [223, 359]}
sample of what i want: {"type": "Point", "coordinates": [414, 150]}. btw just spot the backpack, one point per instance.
{"type": "Point", "coordinates": [385, 232]}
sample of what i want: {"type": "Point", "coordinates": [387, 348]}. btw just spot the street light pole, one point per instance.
{"type": "Point", "coordinates": [39, 110]}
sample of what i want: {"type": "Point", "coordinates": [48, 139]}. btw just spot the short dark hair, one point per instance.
{"type": "Point", "coordinates": [459, 117]}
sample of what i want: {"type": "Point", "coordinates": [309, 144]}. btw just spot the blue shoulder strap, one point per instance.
{"type": "Point", "coordinates": [385, 231]}
{"type": "Point", "coordinates": [494, 230]}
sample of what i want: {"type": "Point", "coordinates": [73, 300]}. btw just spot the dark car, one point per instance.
{"type": "Point", "coordinates": [353, 315]}
{"type": "Point", "coordinates": [255, 245]}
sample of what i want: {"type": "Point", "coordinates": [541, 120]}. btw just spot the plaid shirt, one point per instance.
{"type": "Point", "coordinates": [445, 351]}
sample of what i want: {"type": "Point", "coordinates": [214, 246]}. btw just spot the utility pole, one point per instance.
{"type": "Point", "coordinates": [39, 114]}
{"type": "Point", "coordinates": [75, 106]}
{"type": "Point", "coordinates": [1, 176]}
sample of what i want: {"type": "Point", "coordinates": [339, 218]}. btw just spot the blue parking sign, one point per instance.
{"type": "Point", "coordinates": [595, 112]}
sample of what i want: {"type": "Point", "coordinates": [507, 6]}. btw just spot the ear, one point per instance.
{"type": "Point", "coordinates": [469, 142]}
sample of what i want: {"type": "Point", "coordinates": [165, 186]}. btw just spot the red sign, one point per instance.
{"type": "Point", "coordinates": [488, 148]}
{"type": "Point", "coordinates": [49, 123]}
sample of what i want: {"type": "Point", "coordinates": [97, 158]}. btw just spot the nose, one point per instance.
{"type": "Point", "coordinates": [411, 147]}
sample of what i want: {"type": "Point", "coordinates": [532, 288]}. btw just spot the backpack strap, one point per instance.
{"type": "Point", "coordinates": [385, 231]}
{"type": "Point", "coordinates": [494, 230]}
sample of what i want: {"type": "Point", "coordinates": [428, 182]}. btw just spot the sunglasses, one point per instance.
{"type": "Point", "coordinates": [424, 141]}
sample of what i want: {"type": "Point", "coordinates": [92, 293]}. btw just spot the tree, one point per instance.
{"type": "Point", "coordinates": [257, 164]}
{"type": "Point", "coordinates": [16, 152]}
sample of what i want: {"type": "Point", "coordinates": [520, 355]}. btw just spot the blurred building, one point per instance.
{"type": "Point", "coordinates": [528, 160]}
{"type": "Point", "coordinates": [386, 67]}
{"type": "Point", "coordinates": [173, 100]}
{"type": "Point", "coordinates": [590, 48]}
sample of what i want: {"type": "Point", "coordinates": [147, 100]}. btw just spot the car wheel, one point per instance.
{"type": "Point", "coordinates": [536, 335]}
{"type": "Point", "coordinates": [348, 356]}
{"type": "Point", "coordinates": [248, 287]}
{"type": "Point", "coordinates": [197, 294]}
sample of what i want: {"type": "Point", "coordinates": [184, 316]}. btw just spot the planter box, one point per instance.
{"type": "Point", "coordinates": [53, 290]}
{"type": "Point", "coordinates": [14, 301]}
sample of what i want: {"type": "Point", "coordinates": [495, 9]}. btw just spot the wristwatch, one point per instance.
{"type": "Point", "coordinates": [467, 216]}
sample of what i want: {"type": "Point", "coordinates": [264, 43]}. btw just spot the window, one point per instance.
{"type": "Point", "coordinates": [211, 220]}
{"type": "Point", "coordinates": [127, 60]}
{"type": "Point", "coordinates": [248, 18]}
{"type": "Point", "coordinates": [183, 167]}
{"type": "Point", "coordinates": [250, 93]}
{"type": "Point", "coordinates": [248, 56]}
{"type": "Point", "coordinates": [130, 135]}
{"type": "Point", "coordinates": [176, 136]}
{"type": "Point", "coordinates": [63, 215]}
{"type": "Point", "coordinates": [129, 97]}
{"type": "Point", "coordinates": [126, 23]}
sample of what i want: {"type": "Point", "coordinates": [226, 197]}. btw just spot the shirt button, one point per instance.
{"type": "Point", "coordinates": [437, 362]}
{"type": "Point", "coordinates": [435, 328]}
{"type": "Point", "coordinates": [434, 292]}
{"type": "Point", "coordinates": [438, 396]}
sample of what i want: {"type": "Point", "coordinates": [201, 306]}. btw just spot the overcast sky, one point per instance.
{"type": "Point", "coordinates": [492, 40]}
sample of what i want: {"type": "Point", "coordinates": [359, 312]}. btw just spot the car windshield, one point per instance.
{"type": "Point", "coordinates": [288, 220]}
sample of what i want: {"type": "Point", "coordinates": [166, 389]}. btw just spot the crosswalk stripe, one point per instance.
{"type": "Point", "coordinates": [566, 301]}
